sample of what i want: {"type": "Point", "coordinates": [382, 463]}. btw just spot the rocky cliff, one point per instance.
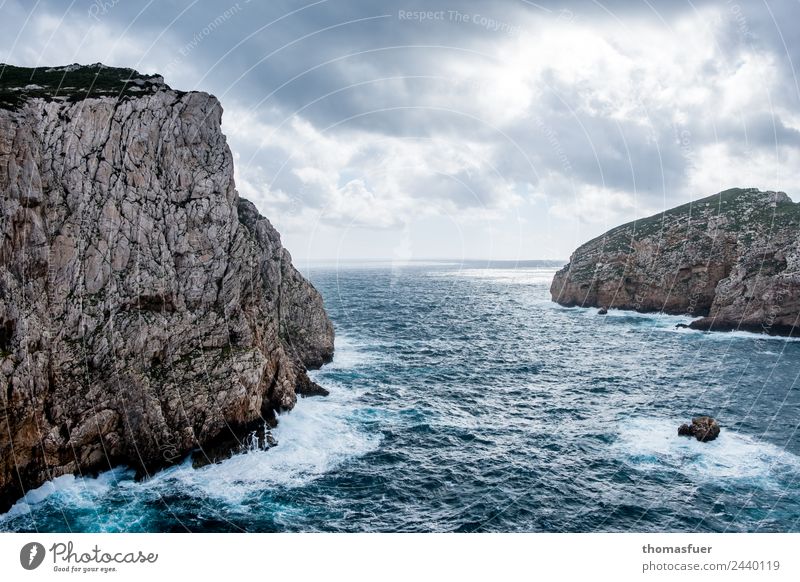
{"type": "Point", "coordinates": [146, 310]}
{"type": "Point", "coordinates": [732, 258]}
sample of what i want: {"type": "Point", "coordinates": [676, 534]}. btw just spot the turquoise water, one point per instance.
{"type": "Point", "coordinates": [463, 399]}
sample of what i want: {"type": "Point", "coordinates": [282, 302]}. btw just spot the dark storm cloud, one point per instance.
{"type": "Point", "coordinates": [289, 54]}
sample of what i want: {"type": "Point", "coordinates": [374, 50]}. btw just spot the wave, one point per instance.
{"type": "Point", "coordinates": [316, 437]}
{"type": "Point", "coordinates": [731, 335]}
{"type": "Point", "coordinates": [669, 323]}
{"type": "Point", "coordinates": [652, 444]}
{"type": "Point", "coordinates": [70, 490]}
{"type": "Point", "coordinates": [655, 319]}
{"type": "Point", "coordinates": [348, 354]}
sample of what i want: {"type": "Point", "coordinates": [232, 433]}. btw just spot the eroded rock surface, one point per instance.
{"type": "Point", "coordinates": [145, 308]}
{"type": "Point", "coordinates": [703, 428]}
{"type": "Point", "coordinates": [732, 258]}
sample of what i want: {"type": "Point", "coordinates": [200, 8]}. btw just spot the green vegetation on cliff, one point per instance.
{"type": "Point", "coordinates": [742, 207]}
{"type": "Point", "coordinates": [71, 83]}
{"type": "Point", "coordinates": [733, 258]}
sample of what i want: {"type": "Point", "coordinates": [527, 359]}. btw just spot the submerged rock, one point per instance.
{"type": "Point", "coordinates": [703, 428]}
{"type": "Point", "coordinates": [603, 311]}
{"type": "Point", "coordinates": [145, 309]}
{"type": "Point", "coordinates": [260, 438]}
{"type": "Point", "coordinates": [732, 258]}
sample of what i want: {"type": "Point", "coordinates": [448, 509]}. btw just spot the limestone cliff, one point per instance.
{"type": "Point", "coordinates": [733, 258]}
{"type": "Point", "coordinates": [145, 309]}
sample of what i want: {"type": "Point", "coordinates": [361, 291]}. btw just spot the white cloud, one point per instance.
{"type": "Point", "coordinates": [596, 205]}
{"type": "Point", "coordinates": [720, 167]}
{"type": "Point", "coordinates": [586, 121]}
{"type": "Point", "coordinates": [357, 177]}
{"type": "Point", "coordinates": [53, 39]}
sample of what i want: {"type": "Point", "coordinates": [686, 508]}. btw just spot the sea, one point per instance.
{"type": "Point", "coordinates": [462, 399]}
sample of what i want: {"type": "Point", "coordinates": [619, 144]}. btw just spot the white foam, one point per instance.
{"type": "Point", "coordinates": [731, 335]}
{"type": "Point", "coordinates": [69, 490]}
{"type": "Point", "coordinates": [668, 323]}
{"type": "Point", "coordinates": [348, 354]}
{"type": "Point", "coordinates": [656, 319]}
{"type": "Point", "coordinates": [665, 320]}
{"type": "Point", "coordinates": [653, 443]}
{"type": "Point", "coordinates": [313, 439]}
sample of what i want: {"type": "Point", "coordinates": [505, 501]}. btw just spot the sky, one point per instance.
{"type": "Point", "coordinates": [502, 129]}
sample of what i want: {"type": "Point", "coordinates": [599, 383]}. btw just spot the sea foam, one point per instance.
{"type": "Point", "coordinates": [653, 444]}
{"type": "Point", "coordinates": [70, 490]}
{"type": "Point", "coordinates": [313, 439]}
{"type": "Point", "coordinates": [316, 437]}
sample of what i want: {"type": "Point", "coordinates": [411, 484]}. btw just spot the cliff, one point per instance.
{"type": "Point", "coordinates": [733, 258]}
{"type": "Point", "coordinates": [146, 310]}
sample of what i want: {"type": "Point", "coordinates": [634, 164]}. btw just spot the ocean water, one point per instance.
{"type": "Point", "coordinates": [463, 399]}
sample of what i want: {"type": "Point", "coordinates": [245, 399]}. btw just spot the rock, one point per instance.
{"type": "Point", "coordinates": [703, 428]}
{"type": "Point", "coordinates": [224, 447]}
{"type": "Point", "coordinates": [732, 258]}
{"type": "Point", "coordinates": [310, 388]}
{"type": "Point", "coordinates": [145, 309]}
{"type": "Point", "coordinates": [603, 311]}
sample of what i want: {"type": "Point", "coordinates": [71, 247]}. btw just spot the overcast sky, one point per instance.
{"type": "Point", "coordinates": [497, 129]}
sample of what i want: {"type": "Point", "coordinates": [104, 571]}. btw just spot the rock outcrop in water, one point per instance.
{"type": "Point", "coordinates": [703, 428]}
{"type": "Point", "coordinates": [146, 309]}
{"type": "Point", "coordinates": [732, 258]}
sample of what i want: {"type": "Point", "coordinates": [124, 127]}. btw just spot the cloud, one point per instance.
{"type": "Point", "coordinates": [721, 166]}
{"type": "Point", "coordinates": [549, 114]}
{"type": "Point", "coordinates": [352, 177]}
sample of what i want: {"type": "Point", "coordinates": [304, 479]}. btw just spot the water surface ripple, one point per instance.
{"type": "Point", "coordinates": [462, 399]}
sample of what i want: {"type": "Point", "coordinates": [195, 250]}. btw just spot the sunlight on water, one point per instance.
{"type": "Point", "coordinates": [510, 276]}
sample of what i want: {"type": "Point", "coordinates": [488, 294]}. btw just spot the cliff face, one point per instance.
{"type": "Point", "coordinates": [146, 309]}
{"type": "Point", "coordinates": [733, 258]}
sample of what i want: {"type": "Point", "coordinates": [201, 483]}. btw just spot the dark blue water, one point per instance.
{"type": "Point", "coordinates": [462, 399]}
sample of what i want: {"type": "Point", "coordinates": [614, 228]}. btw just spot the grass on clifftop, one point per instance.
{"type": "Point", "coordinates": [743, 207]}
{"type": "Point", "coordinates": [72, 82]}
